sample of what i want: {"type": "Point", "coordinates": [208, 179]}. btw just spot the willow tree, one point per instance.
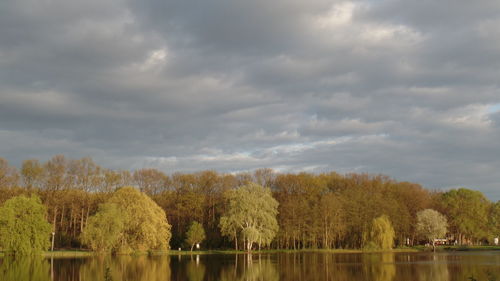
{"type": "Point", "coordinates": [105, 229]}
{"type": "Point", "coordinates": [382, 233]}
{"type": "Point", "coordinates": [145, 224]}
{"type": "Point", "coordinates": [251, 212]}
{"type": "Point", "coordinates": [23, 226]}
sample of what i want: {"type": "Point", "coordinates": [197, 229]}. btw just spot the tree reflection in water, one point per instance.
{"type": "Point", "coordinates": [437, 270]}
{"type": "Point", "coordinates": [380, 266]}
{"type": "Point", "coordinates": [195, 270]}
{"type": "Point", "coordinates": [250, 267]}
{"type": "Point", "coordinates": [296, 266]}
{"type": "Point", "coordinates": [140, 268]}
{"type": "Point", "coordinates": [25, 269]}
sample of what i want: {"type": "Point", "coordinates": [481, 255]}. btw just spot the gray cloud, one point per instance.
{"type": "Point", "coordinates": [405, 89]}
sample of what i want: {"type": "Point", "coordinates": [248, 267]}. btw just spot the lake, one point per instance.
{"type": "Point", "coordinates": [314, 266]}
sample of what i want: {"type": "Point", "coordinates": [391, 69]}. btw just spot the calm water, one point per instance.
{"type": "Point", "coordinates": [266, 267]}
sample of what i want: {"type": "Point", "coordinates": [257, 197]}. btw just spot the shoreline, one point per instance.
{"type": "Point", "coordinates": [85, 253]}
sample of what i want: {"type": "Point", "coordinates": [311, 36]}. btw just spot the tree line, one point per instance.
{"type": "Point", "coordinates": [305, 210]}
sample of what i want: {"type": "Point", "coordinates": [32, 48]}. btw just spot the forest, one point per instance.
{"type": "Point", "coordinates": [325, 210]}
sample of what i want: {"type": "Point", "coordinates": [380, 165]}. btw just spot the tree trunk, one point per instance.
{"type": "Point", "coordinates": [62, 218]}
{"type": "Point", "coordinates": [236, 240]}
{"type": "Point", "coordinates": [54, 220]}
{"type": "Point", "coordinates": [87, 217]}
{"type": "Point", "coordinates": [81, 220]}
{"type": "Point", "coordinates": [70, 223]}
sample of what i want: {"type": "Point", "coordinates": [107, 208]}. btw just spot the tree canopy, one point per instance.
{"type": "Point", "coordinates": [467, 211]}
{"type": "Point", "coordinates": [494, 222]}
{"type": "Point", "coordinates": [23, 226]}
{"type": "Point", "coordinates": [144, 224]}
{"type": "Point", "coordinates": [105, 229]}
{"type": "Point", "coordinates": [195, 234]}
{"type": "Point", "coordinates": [431, 224]}
{"type": "Point", "coordinates": [325, 210]}
{"type": "Point", "coordinates": [251, 213]}
{"type": "Point", "coordinates": [381, 234]}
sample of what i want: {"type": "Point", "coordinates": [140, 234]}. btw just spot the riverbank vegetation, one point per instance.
{"type": "Point", "coordinates": [311, 211]}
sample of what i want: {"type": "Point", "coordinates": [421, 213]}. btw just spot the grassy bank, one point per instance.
{"type": "Point", "coordinates": [83, 253]}
{"type": "Point", "coordinates": [69, 253]}
{"type": "Point", "coordinates": [471, 248]}
{"type": "Point", "coordinates": [232, 252]}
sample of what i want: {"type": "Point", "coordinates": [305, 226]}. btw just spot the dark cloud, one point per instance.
{"type": "Point", "coordinates": [404, 89]}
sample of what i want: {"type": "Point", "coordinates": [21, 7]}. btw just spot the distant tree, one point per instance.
{"type": "Point", "coordinates": [9, 176]}
{"type": "Point", "coordinates": [145, 224]}
{"type": "Point", "coordinates": [467, 211]}
{"type": "Point", "coordinates": [105, 229]}
{"type": "Point", "coordinates": [84, 174]}
{"type": "Point", "coordinates": [195, 234]}
{"type": "Point", "coordinates": [264, 177]}
{"type": "Point", "coordinates": [23, 226]}
{"type": "Point", "coordinates": [431, 224]}
{"type": "Point", "coordinates": [32, 173]}
{"type": "Point", "coordinates": [494, 219]}
{"type": "Point", "coordinates": [150, 181]}
{"type": "Point", "coordinates": [382, 233]}
{"type": "Point", "coordinates": [55, 169]}
{"type": "Point", "coordinates": [251, 212]}
{"type": "Point", "coordinates": [332, 223]}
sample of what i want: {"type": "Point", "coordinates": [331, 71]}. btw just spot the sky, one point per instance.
{"type": "Point", "coordinates": [409, 89]}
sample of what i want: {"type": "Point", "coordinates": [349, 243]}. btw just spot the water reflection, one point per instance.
{"type": "Point", "coordinates": [270, 267]}
{"type": "Point", "coordinates": [253, 268]}
{"type": "Point", "coordinates": [140, 268]}
{"type": "Point", "coordinates": [380, 266]}
{"type": "Point", "coordinates": [194, 270]}
{"type": "Point", "coordinates": [24, 269]}
{"type": "Point", "coordinates": [436, 269]}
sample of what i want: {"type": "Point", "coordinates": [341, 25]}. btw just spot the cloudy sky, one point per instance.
{"type": "Point", "coordinates": [409, 89]}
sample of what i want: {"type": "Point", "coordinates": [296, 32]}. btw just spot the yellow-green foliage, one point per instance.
{"type": "Point", "coordinates": [195, 234]}
{"type": "Point", "coordinates": [105, 228]}
{"type": "Point", "coordinates": [252, 212]}
{"type": "Point", "coordinates": [145, 225]}
{"type": "Point", "coordinates": [382, 233]}
{"type": "Point", "coordinates": [24, 268]}
{"type": "Point", "coordinates": [23, 227]}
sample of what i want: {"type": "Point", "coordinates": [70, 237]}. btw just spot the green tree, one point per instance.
{"type": "Point", "coordinates": [105, 229]}
{"type": "Point", "coordinates": [382, 233]}
{"type": "Point", "coordinates": [195, 234]}
{"type": "Point", "coordinates": [494, 219]}
{"type": "Point", "coordinates": [23, 227]}
{"type": "Point", "coordinates": [431, 224]}
{"type": "Point", "coordinates": [145, 224]}
{"type": "Point", "coordinates": [251, 212]}
{"type": "Point", "coordinates": [467, 211]}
